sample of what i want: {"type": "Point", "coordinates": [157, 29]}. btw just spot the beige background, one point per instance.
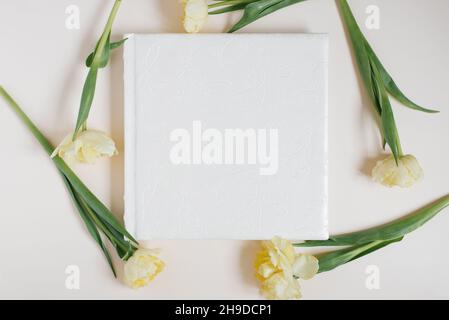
{"type": "Point", "coordinates": [41, 64]}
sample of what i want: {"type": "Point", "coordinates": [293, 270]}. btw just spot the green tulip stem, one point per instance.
{"type": "Point", "coordinates": [229, 3]}
{"type": "Point", "coordinates": [107, 31]}
{"type": "Point", "coordinates": [39, 136]}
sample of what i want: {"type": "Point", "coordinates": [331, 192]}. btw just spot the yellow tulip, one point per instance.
{"type": "Point", "coordinates": [195, 15]}
{"type": "Point", "coordinates": [404, 174]}
{"type": "Point", "coordinates": [142, 267]}
{"type": "Point", "coordinates": [88, 146]}
{"type": "Point", "coordinates": [278, 268]}
{"type": "Point", "coordinates": [278, 287]}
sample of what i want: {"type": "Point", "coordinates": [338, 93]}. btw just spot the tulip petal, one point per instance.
{"type": "Point", "coordinates": [195, 15]}
{"type": "Point", "coordinates": [305, 266]}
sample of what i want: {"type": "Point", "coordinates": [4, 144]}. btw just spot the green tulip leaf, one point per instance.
{"type": "Point", "coordinates": [391, 86]}
{"type": "Point", "coordinates": [256, 10]}
{"type": "Point", "coordinates": [89, 224]}
{"type": "Point", "coordinates": [230, 8]}
{"type": "Point", "coordinates": [99, 60]}
{"type": "Point", "coordinates": [331, 260]}
{"type": "Point", "coordinates": [392, 230]}
{"type": "Point", "coordinates": [112, 46]}
{"type": "Point", "coordinates": [103, 54]}
{"type": "Point", "coordinates": [360, 52]}
{"type": "Point", "coordinates": [372, 79]}
{"type": "Point", "coordinates": [97, 206]}
{"type": "Point", "coordinates": [87, 98]}
{"type": "Point", "coordinates": [390, 132]}
{"type": "Point", "coordinates": [116, 238]}
{"type": "Point", "coordinates": [86, 200]}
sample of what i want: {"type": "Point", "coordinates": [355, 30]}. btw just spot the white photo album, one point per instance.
{"type": "Point", "coordinates": [226, 136]}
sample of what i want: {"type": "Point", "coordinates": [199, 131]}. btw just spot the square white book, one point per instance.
{"type": "Point", "coordinates": [226, 136]}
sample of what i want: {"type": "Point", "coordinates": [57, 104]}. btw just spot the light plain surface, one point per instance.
{"type": "Point", "coordinates": [40, 233]}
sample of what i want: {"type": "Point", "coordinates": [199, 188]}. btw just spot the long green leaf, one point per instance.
{"type": "Point", "coordinates": [229, 6]}
{"type": "Point", "coordinates": [377, 92]}
{"type": "Point", "coordinates": [391, 85]}
{"type": "Point", "coordinates": [331, 260]}
{"type": "Point", "coordinates": [378, 84]}
{"type": "Point", "coordinates": [99, 60]}
{"type": "Point", "coordinates": [124, 252]}
{"type": "Point", "coordinates": [30, 125]}
{"type": "Point", "coordinates": [359, 49]}
{"type": "Point", "coordinates": [101, 53]}
{"type": "Point", "coordinates": [390, 132]}
{"type": "Point", "coordinates": [373, 81]}
{"type": "Point", "coordinates": [392, 230]}
{"type": "Point", "coordinates": [75, 182]}
{"type": "Point", "coordinates": [87, 98]}
{"type": "Point", "coordinates": [91, 199]}
{"type": "Point", "coordinates": [90, 225]}
{"type": "Point", "coordinates": [259, 9]}
{"type": "Point", "coordinates": [103, 59]}
{"type": "Point", "coordinates": [112, 46]}
{"type": "Point", "coordinates": [234, 7]}
{"type": "Point", "coordinates": [115, 237]}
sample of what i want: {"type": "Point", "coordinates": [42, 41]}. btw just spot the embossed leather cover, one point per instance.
{"type": "Point", "coordinates": [255, 82]}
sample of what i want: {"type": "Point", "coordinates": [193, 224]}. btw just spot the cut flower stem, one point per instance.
{"type": "Point", "coordinates": [94, 213]}
{"type": "Point", "coordinates": [95, 61]}
{"type": "Point", "coordinates": [360, 243]}
{"type": "Point", "coordinates": [392, 230]}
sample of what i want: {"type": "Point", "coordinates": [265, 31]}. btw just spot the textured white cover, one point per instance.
{"type": "Point", "coordinates": [242, 81]}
